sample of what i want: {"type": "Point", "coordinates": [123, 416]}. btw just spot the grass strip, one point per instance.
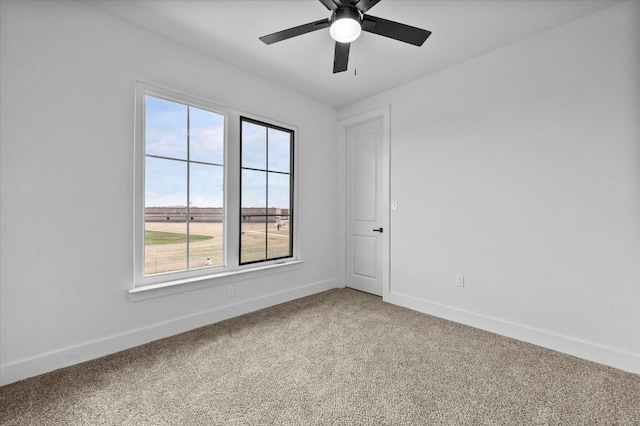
{"type": "Point", "coordinates": [157, 237]}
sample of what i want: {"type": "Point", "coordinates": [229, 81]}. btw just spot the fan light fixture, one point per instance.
{"type": "Point", "coordinates": [345, 26]}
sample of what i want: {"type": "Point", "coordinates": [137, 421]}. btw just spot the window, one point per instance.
{"type": "Point", "coordinates": [183, 192]}
{"type": "Point", "coordinates": [266, 192]}
{"type": "Point", "coordinates": [214, 190]}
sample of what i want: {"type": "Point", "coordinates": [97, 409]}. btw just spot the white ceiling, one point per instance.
{"type": "Point", "coordinates": [462, 30]}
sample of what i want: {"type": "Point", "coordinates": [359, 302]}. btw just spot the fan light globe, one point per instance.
{"type": "Point", "coordinates": [345, 30]}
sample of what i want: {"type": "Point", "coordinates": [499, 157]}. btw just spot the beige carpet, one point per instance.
{"type": "Point", "coordinates": [337, 358]}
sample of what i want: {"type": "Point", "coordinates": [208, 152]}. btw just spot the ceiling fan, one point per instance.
{"type": "Point", "coordinates": [347, 21]}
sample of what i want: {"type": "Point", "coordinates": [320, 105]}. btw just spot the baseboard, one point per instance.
{"type": "Point", "coordinates": [91, 350]}
{"type": "Point", "coordinates": [579, 348]}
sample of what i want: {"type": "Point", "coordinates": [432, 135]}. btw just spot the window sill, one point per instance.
{"type": "Point", "coordinates": [179, 286]}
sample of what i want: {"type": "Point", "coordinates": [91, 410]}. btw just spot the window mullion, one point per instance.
{"type": "Point", "coordinates": [188, 218]}
{"type": "Point", "coordinates": [266, 197]}
{"type": "Point", "coordinates": [233, 179]}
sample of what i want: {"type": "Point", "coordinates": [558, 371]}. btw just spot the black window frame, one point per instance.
{"type": "Point", "coordinates": [266, 214]}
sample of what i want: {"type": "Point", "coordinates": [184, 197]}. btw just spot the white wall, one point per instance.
{"type": "Point", "coordinates": [521, 170]}
{"type": "Point", "coordinates": [67, 107]}
{"type": "Point", "coordinates": [527, 160]}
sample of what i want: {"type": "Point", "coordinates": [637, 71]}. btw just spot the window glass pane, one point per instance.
{"type": "Point", "coordinates": [205, 239]}
{"type": "Point", "coordinates": [253, 239]}
{"type": "Point", "coordinates": [165, 243]}
{"type": "Point", "coordinates": [206, 136]}
{"type": "Point", "coordinates": [165, 183]}
{"type": "Point", "coordinates": [279, 151]}
{"type": "Point", "coordinates": [254, 146]}
{"type": "Point", "coordinates": [278, 237]}
{"type": "Point", "coordinates": [206, 214]}
{"type": "Point", "coordinates": [254, 189]}
{"type": "Point", "coordinates": [206, 185]}
{"type": "Point", "coordinates": [165, 128]}
{"type": "Point", "coordinates": [279, 191]}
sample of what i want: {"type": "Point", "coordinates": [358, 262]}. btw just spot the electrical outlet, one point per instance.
{"type": "Point", "coordinates": [460, 280]}
{"type": "Point", "coordinates": [394, 205]}
{"type": "Point", "coordinates": [229, 291]}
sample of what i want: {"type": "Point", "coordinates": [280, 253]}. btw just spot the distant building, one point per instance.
{"type": "Point", "coordinates": [257, 214]}
{"type": "Point", "coordinates": [212, 214]}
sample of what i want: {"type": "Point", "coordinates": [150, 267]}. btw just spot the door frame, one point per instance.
{"type": "Point", "coordinates": [383, 113]}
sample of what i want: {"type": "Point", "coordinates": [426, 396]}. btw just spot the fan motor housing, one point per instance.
{"type": "Point", "coordinates": [345, 12]}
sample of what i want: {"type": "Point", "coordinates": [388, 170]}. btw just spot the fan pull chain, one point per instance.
{"type": "Point", "coordinates": [355, 60]}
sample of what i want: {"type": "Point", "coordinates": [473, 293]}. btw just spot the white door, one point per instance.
{"type": "Point", "coordinates": [364, 207]}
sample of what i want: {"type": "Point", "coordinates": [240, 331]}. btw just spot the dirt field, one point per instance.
{"type": "Point", "coordinates": [173, 257]}
{"type": "Point", "coordinates": [253, 241]}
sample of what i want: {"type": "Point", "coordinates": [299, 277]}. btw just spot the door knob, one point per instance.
{"type": "Point", "coordinates": [378, 230]}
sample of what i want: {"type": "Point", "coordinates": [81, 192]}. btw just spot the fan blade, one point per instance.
{"type": "Point", "coordinates": [364, 5]}
{"type": "Point", "coordinates": [295, 31]}
{"type": "Point", "coordinates": [341, 57]}
{"type": "Point", "coordinates": [395, 30]}
{"type": "Point", "coordinates": [329, 4]}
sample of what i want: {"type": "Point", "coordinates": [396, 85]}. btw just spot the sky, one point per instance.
{"type": "Point", "coordinates": [175, 132]}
